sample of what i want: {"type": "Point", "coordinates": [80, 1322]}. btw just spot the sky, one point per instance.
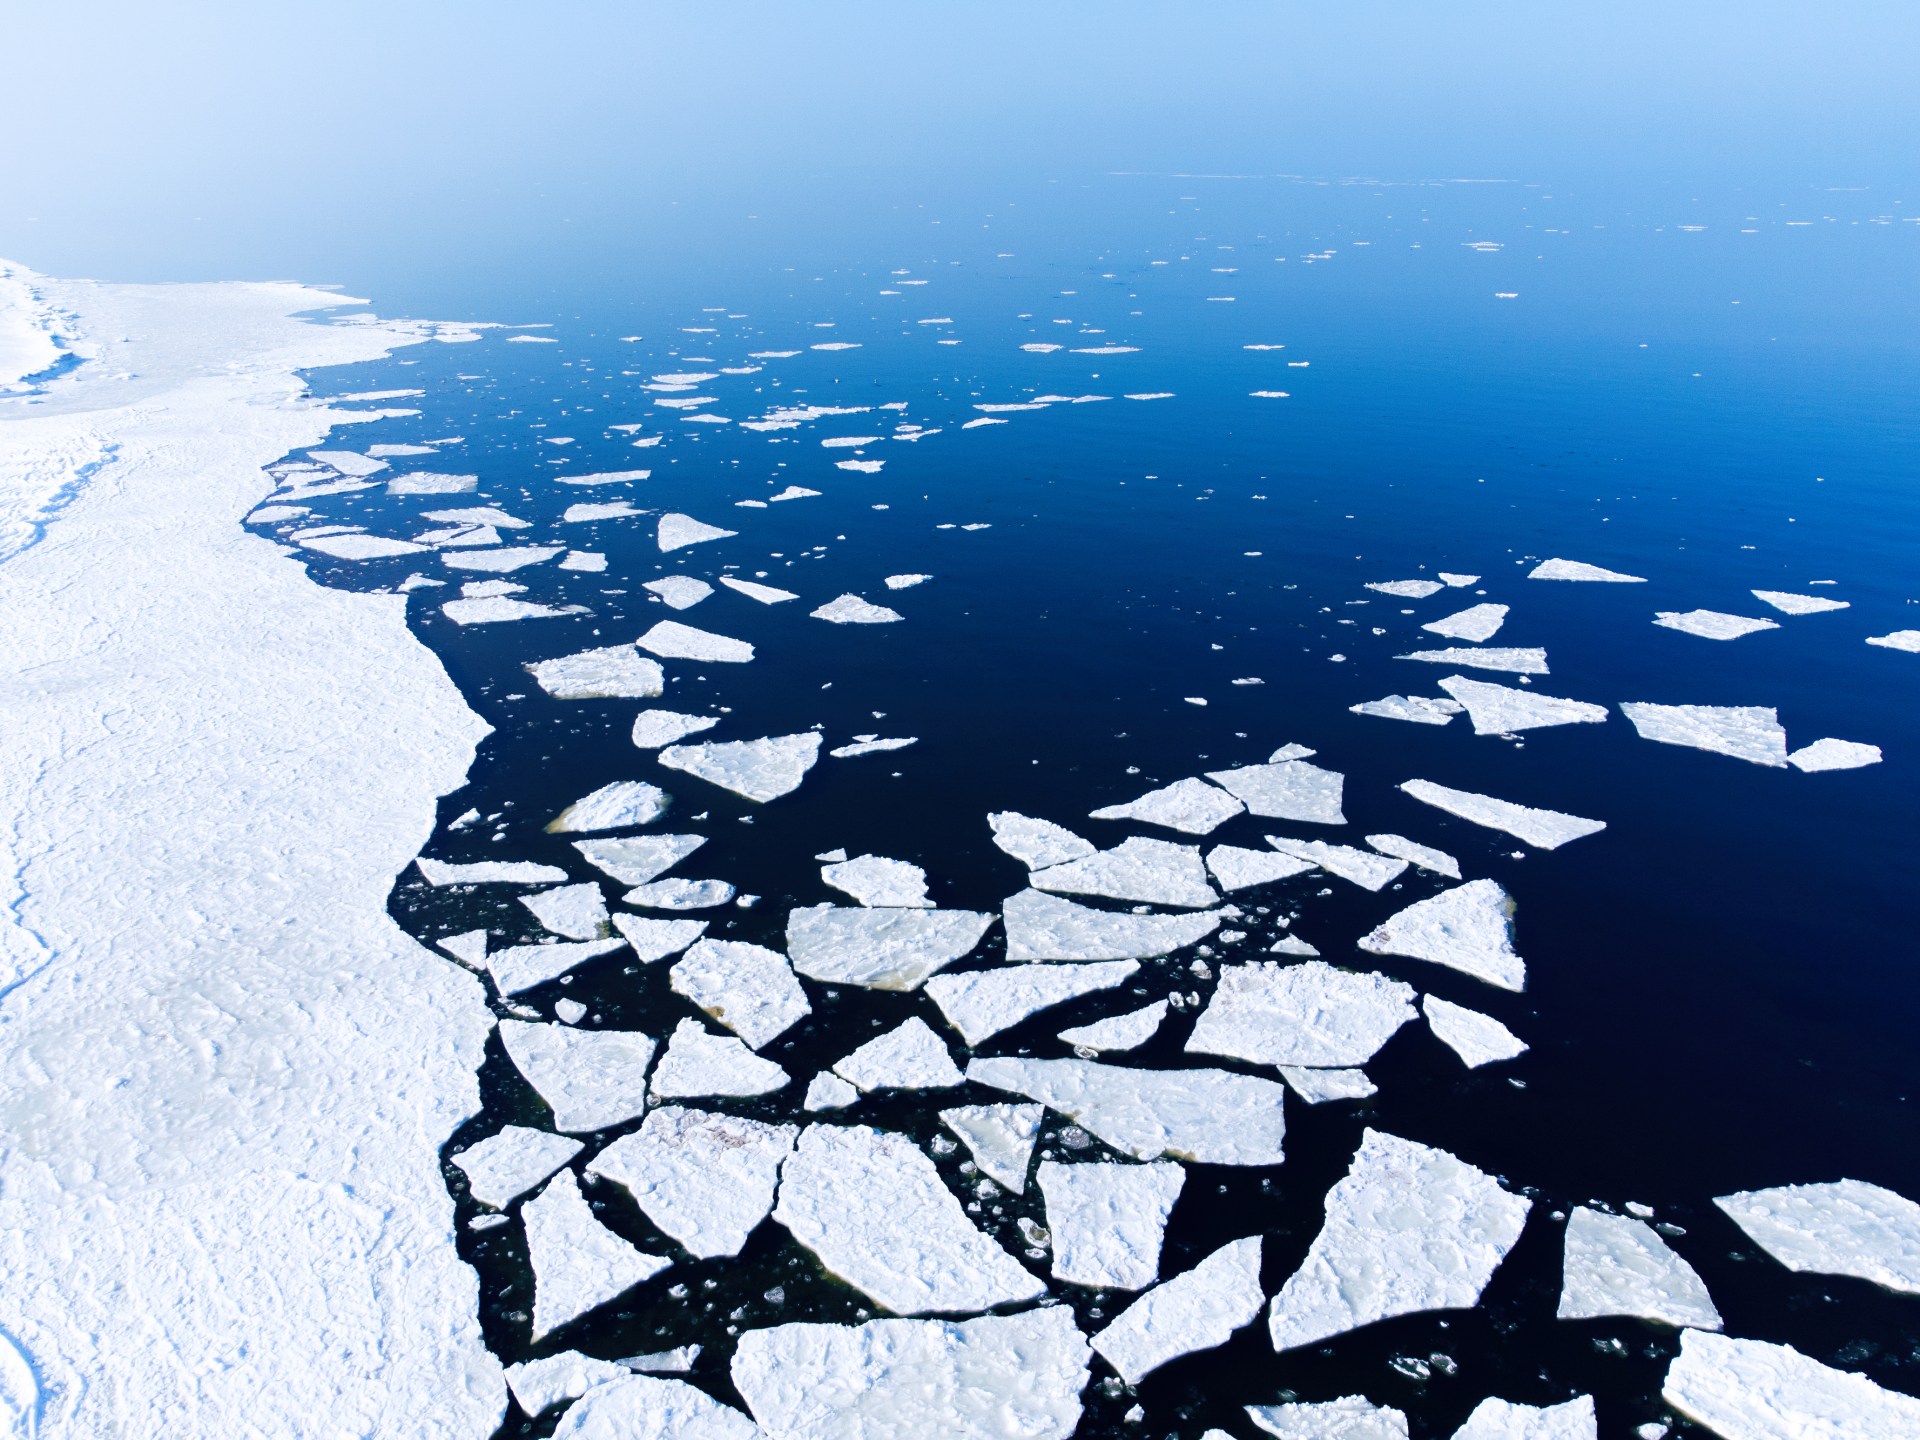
{"type": "Point", "coordinates": [208, 139]}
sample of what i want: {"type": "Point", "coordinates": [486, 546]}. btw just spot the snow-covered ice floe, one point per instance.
{"type": "Point", "coordinates": [765, 594]}
{"type": "Point", "coordinates": [704, 1178]}
{"type": "Point", "coordinates": [671, 640]}
{"type": "Point", "coordinates": [579, 912]}
{"type": "Point", "coordinates": [488, 872]}
{"type": "Point", "coordinates": [1191, 806]}
{"type": "Point", "coordinates": [1194, 1311]}
{"type": "Point", "coordinates": [760, 770]}
{"type": "Point", "coordinates": [1036, 844]}
{"type": "Point", "coordinates": [982, 1003]}
{"type": "Point", "coordinates": [505, 1166]}
{"type": "Point", "coordinates": [1468, 928]}
{"type": "Point", "coordinates": [1712, 624]}
{"type": "Point", "coordinates": [1046, 927]}
{"type": "Point", "coordinates": [1753, 1390]}
{"type": "Point", "coordinates": [1845, 1227]}
{"type": "Point", "coordinates": [539, 1385]}
{"type": "Point", "coordinates": [1831, 754]}
{"type": "Point", "coordinates": [1502, 709]}
{"type": "Point", "coordinates": [578, 1263]}
{"type": "Point", "coordinates": [908, 1057]}
{"type": "Point", "coordinates": [616, 672]}
{"type": "Point", "coordinates": [1542, 829]}
{"type": "Point", "coordinates": [1317, 1087]}
{"type": "Point", "coordinates": [699, 1063]}
{"type": "Point", "coordinates": [886, 949]}
{"type": "Point", "coordinates": [654, 729]}
{"type": "Point", "coordinates": [852, 610]}
{"type": "Point", "coordinates": [748, 988]}
{"type": "Point", "coordinates": [1746, 732]}
{"type": "Point", "coordinates": [1108, 1221]}
{"type": "Point", "coordinates": [1311, 1014]}
{"type": "Point", "coordinates": [1475, 623]}
{"type": "Point", "coordinates": [678, 592]}
{"type": "Point", "coordinates": [1407, 589]}
{"type": "Point", "coordinates": [1476, 1038]}
{"type": "Point", "coordinates": [1617, 1265]}
{"type": "Point", "coordinates": [1368, 869]}
{"type": "Point", "coordinates": [876, 881]}
{"type": "Point", "coordinates": [1580, 570]}
{"type": "Point", "coordinates": [1237, 868]}
{"type": "Point", "coordinates": [1907, 640]}
{"type": "Point", "coordinates": [653, 939]}
{"type": "Point", "coordinates": [1788, 603]}
{"type": "Point", "coordinates": [1527, 661]}
{"type": "Point", "coordinates": [1352, 1417]}
{"type": "Point", "coordinates": [590, 1078]}
{"type": "Point", "coordinates": [999, 1137]}
{"type": "Point", "coordinates": [636, 859]}
{"type": "Point", "coordinates": [1434, 862]}
{"type": "Point", "coordinates": [1118, 1032]}
{"type": "Point", "coordinates": [676, 531]}
{"type": "Point", "coordinates": [1419, 709]}
{"type": "Point", "coordinates": [1156, 872]}
{"type": "Point", "coordinates": [1496, 1419]}
{"type": "Point", "coordinates": [1286, 789]}
{"type": "Point", "coordinates": [521, 967]}
{"type": "Point", "coordinates": [617, 806]}
{"type": "Point", "coordinates": [645, 1407]}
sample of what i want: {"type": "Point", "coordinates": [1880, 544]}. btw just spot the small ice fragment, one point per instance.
{"type": "Point", "coordinates": [1434, 862]}
{"type": "Point", "coordinates": [852, 610]}
{"type": "Point", "coordinates": [865, 467]}
{"type": "Point", "coordinates": [903, 582]}
{"type": "Point", "coordinates": [748, 988]}
{"type": "Point", "coordinates": [1311, 1014]}
{"type": "Point", "coordinates": [679, 592]}
{"type": "Point", "coordinates": [1477, 1039]}
{"type": "Point", "coordinates": [1831, 754]}
{"type": "Point", "coordinates": [489, 872]}
{"type": "Point", "coordinates": [590, 1078]}
{"type": "Point", "coordinates": [827, 1091]}
{"type": "Point", "coordinates": [1844, 1227]}
{"type": "Point", "coordinates": [604, 510]}
{"type": "Point", "coordinates": [673, 641]}
{"type": "Point", "coordinates": [1746, 732]}
{"type": "Point", "coordinates": [765, 594]}
{"type": "Point", "coordinates": [1196, 1310]}
{"type": "Point", "coordinates": [578, 1264]}
{"type": "Point", "coordinates": [495, 609]}
{"type": "Point", "coordinates": [1407, 589]}
{"type": "Point", "coordinates": [794, 492]}
{"type": "Point", "coordinates": [503, 1167]}
{"type": "Point", "coordinates": [616, 806]}
{"type": "Point", "coordinates": [1711, 624]}
{"type": "Point", "coordinates": [1238, 869]}
{"type": "Point", "coordinates": [656, 939]}
{"type": "Point", "coordinates": [1118, 1032]}
{"type": "Point", "coordinates": [876, 881]}
{"type": "Point", "coordinates": [1519, 662]}
{"type": "Point", "coordinates": [872, 747]}
{"type": "Point", "coordinates": [1318, 1086]}
{"type": "Point", "coordinates": [572, 1012]}
{"type": "Point", "coordinates": [761, 770]}
{"type": "Point", "coordinates": [1287, 789]}
{"type": "Point", "coordinates": [1292, 945]}
{"type": "Point", "coordinates": [1496, 1419]}
{"type": "Point", "coordinates": [679, 894]}
{"type": "Point", "coordinates": [698, 1062]}
{"type": "Point", "coordinates": [1352, 1417]}
{"type": "Point", "coordinates": [1908, 640]}
{"type": "Point", "coordinates": [589, 561]}
{"type": "Point", "coordinates": [1458, 582]}
{"type": "Point", "coordinates": [1409, 1228]}
{"type": "Point", "coordinates": [1191, 806]}
{"type": "Point", "coordinates": [1468, 928]}
{"type": "Point", "coordinates": [579, 912]}
{"type": "Point", "coordinates": [1616, 1265]}
{"type": "Point", "coordinates": [539, 1385]}
{"type": "Point", "coordinates": [469, 947]}
{"type": "Point", "coordinates": [1787, 603]}
{"type": "Point", "coordinates": [1753, 1390]}
{"type": "Point", "coordinates": [512, 557]}
{"type": "Point", "coordinates": [1420, 709]}
{"type": "Point", "coordinates": [1157, 872]}
{"type": "Point", "coordinates": [521, 967]}
{"type": "Point", "coordinates": [1036, 844]}
{"type": "Point", "coordinates": [982, 1003]}
{"type": "Point", "coordinates": [1476, 623]}
{"type": "Point", "coordinates": [1046, 927]}
{"type": "Point", "coordinates": [908, 1057]}
{"type": "Point", "coordinates": [677, 531]}
{"type": "Point", "coordinates": [1108, 1221]}
{"type": "Point", "coordinates": [890, 949]}
{"type": "Point", "coordinates": [704, 1178]}
{"type": "Point", "coordinates": [653, 729]}
{"type": "Point", "coordinates": [1580, 570]}
{"type": "Point", "coordinates": [1542, 829]}
{"type": "Point", "coordinates": [676, 1361]}
{"type": "Point", "coordinates": [1363, 867]}
{"type": "Point", "coordinates": [999, 1137]}
{"type": "Point", "coordinates": [1503, 709]}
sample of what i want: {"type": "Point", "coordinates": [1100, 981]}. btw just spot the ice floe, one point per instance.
{"type": "Point", "coordinates": [603, 510]}
{"type": "Point", "coordinates": [1212, 1117]}
{"type": "Point", "coordinates": [1290, 789]}
{"type": "Point", "coordinates": [644, 1407]}
{"type": "Point", "coordinates": [653, 939]}
{"type": "Point", "coordinates": [908, 1057]}
{"type": "Point", "coordinates": [680, 592]}
{"type": "Point", "coordinates": [503, 1167]}
{"type": "Point", "coordinates": [489, 872]}
{"type": "Point", "coordinates": [1580, 570]}
{"type": "Point", "coordinates": [1118, 1032]}
{"type": "Point", "coordinates": [578, 1264]}
{"type": "Point", "coordinates": [1831, 754]}
{"type": "Point", "coordinates": [509, 558]}
{"type": "Point", "coordinates": [539, 1385]}
{"type": "Point", "coordinates": [893, 949]}
{"type": "Point", "coordinates": [982, 1003]}
{"type": "Point", "coordinates": [852, 610]}
{"type": "Point", "coordinates": [1195, 1310]}
{"type": "Point", "coordinates": [1047, 927]}
{"type": "Point", "coordinates": [677, 531]}
{"type": "Point", "coordinates": [906, 582]}
{"type": "Point", "coordinates": [761, 770]}
{"type": "Point", "coordinates": [871, 747]}
{"type": "Point", "coordinates": [748, 988]}
{"type": "Point", "coordinates": [1434, 862]}
{"type": "Point", "coordinates": [1311, 1014]}
{"type": "Point", "coordinates": [422, 482]}
{"type": "Point", "coordinates": [617, 806]}
{"type": "Point", "coordinates": [653, 729]}
{"type": "Point", "coordinates": [1477, 1039]}
{"type": "Point", "coordinates": [1476, 623]}
{"type": "Point", "coordinates": [876, 881]}
{"type": "Point", "coordinates": [1844, 1227]}
{"type": "Point", "coordinates": [1352, 1417]}
{"type": "Point", "coordinates": [1420, 709]}
{"type": "Point", "coordinates": [1502, 709]}
{"type": "Point", "coordinates": [827, 1091]}
{"type": "Point", "coordinates": [578, 912]}
{"type": "Point", "coordinates": [1616, 1265]}
{"type": "Point", "coordinates": [1468, 928]}
{"type": "Point", "coordinates": [872, 1206]}
{"type": "Point", "coordinates": [1753, 1390]}
{"type": "Point", "coordinates": [704, 1178]}
{"type": "Point", "coordinates": [360, 547]}
{"type": "Point", "coordinates": [1711, 624]}
{"type": "Point", "coordinates": [1907, 640]}
{"type": "Point", "coordinates": [1238, 869]}
{"type": "Point", "coordinates": [1516, 661]}
{"type": "Point", "coordinates": [997, 1377]}
{"type": "Point", "coordinates": [765, 594]}
{"type": "Point", "coordinates": [1496, 1419]}
{"type": "Point", "coordinates": [1109, 1220]}
{"type": "Point", "coordinates": [1407, 589]}
{"type": "Point", "coordinates": [1191, 806]}
{"type": "Point", "coordinates": [590, 1078]}
{"type": "Point", "coordinates": [1157, 872]}
{"type": "Point", "coordinates": [1408, 1228]}
{"type": "Point", "coordinates": [1318, 1086]}
{"type": "Point", "coordinates": [617, 672]}
{"type": "Point", "coordinates": [1788, 603]}
{"type": "Point", "coordinates": [999, 1137]}
{"type": "Point", "coordinates": [1746, 732]}
{"type": "Point", "coordinates": [698, 1062]}
{"type": "Point", "coordinates": [671, 640]}
{"type": "Point", "coordinates": [1365, 868]}
{"type": "Point", "coordinates": [1036, 844]}
{"type": "Point", "coordinates": [521, 967]}
{"type": "Point", "coordinates": [494, 609]}
{"type": "Point", "coordinates": [1542, 829]}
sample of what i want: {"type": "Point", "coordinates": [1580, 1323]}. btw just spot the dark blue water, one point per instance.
{"type": "Point", "coordinates": [1720, 984]}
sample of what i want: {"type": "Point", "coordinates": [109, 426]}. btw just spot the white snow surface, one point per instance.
{"type": "Point", "coordinates": [999, 1137]}
{"type": "Point", "coordinates": [699, 1063]}
{"type": "Point", "coordinates": [1496, 1419]}
{"type": "Point", "coordinates": [1542, 829]}
{"type": "Point", "coordinates": [1237, 868]}
{"type": "Point", "coordinates": [1157, 872]}
{"type": "Point", "coordinates": [539, 1385]}
{"type": "Point", "coordinates": [765, 594]}
{"type": "Point", "coordinates": [1352, 1417]}
{"type": "Point", "coordinates": [1746, 732]}
{"type": "Point", "coordinates": [1317, 1087]}
{"type": "Point", "coordinates": [1118, 1032]}
{"type": "Point", "coordinates": [1580, 570]}
{"type": "Point", "coordinates": [1843, 1227]}
{"type": "Point", "coordinates": [760, 770]}
{"type": "Point", "coordinates": [704, 1178]}
{"type": "Point", "coordinates": [1753, 1390]}
{"type": "Point", "coordinates": [1310, 1014]}
{"type": "Point", "coordinates": [982, 1003]}
{"type": "Point", "coordinates": [677, 531]}
{"type": "Point", "coordinates": [852, 610]}
{"type": "Point", "coordinates": [505, 1166]}
{"type": "Point", "coordinates": [1517, 661]}
{"type": "Point", "coordinates": [222, 1133]}
{"type": "Point", "coordinates": [1711, 624]}
{"type": "Point", "coordinates": [1617, 1265]}
{"type": "Point", "coordinates": [1468, 928]}
{"type": "Point", "coordinates": [908, 1057]}
{"type": "Point", "coordinates": [1788, 603]}
{"type": "Point", "coordinates": [488, 872]}
{"type": "Point", "coordinates": [1036, 844]}
{"type": "Point", "coordinates": [1046, 927]}
{"type": "Point", "coordinates": [636, 859]}
{"type": "Point", "coordinates": [678, 592]}
{"type": "Point", "coordinates": [1368, 869]}
{"type": "Point", "coordinates": [886, 949]}
{"type": "Point", "coordinates": [1408, 1228]}
{"type": "Point", "coordinates": [645, 1407]}
{"type": "Point", "coordinates": [1832, 754]}
{"type": "Point", "coordinates": [678, 893]}
{"type": "Point", "coordinates": [876, 881]}
{"type": "Point", "coordinates": [579, 912]}
{"type": "Point", "coordinates": [1407, 589]}
{"type": "Point", "coordinates": [577, 1262]}
{"type": "Point", "coordinates": [671, 640]}
{"type": "Point", "coordinates": [1475, 623]}
{"type": "Point", "coordinates": [748, 988]}
{"type": "Point", "coordinates": [827, 1091]}
{"type": "Point", "coordinates": [1287, 790]}
{"type": "Point", "coordinates": [1907, 640]}
{"type": "Point", "coordinates": [1196, 1310]}
{"type": "Point", "coordinates": [1109, 1220]}
{"type": "Point", "coordinates": [1501, 709]}
{"type": "Point", "coordinates": [1434, 862]}
{"type": "Point", "coordinates": [591, 1078]}
{"type": "Point", "coordinates": [653, 729]}
{"type": "Point", "coordinates": [616, 672]}
{"type": "Point", "coordinates": [617, 806]}
{"type": "Point", "coordinates": [1191, 806]}
{"type": "Point", "coordinates": [1418, 709]}
{"type": "Point", "coordinates": [521, 967]}
{"type": "Point", "coordinates": [1476, 1038]}
{"type": "Point", "coordinates": [653, 939]}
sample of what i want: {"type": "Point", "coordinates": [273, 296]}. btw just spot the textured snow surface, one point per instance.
{"type": "Point", "coordinates": [578, 912]}
{"type": "Point", "coordinates": [503, 1167]}
{"type": "Point", "coordinates": [1752, 1390]}
{"type": "Point", "coordinates": [1289, 790]}
{"type": "Point", "coordinates": [521, 967]}
{"type": "Point", "coordinates": [653, 939]}
{"type": "Point", "coordinates": [1419, 709]}
{"type": "Point", "coordinates": [1580, 570]}
{"type": "Point", "coordinates": [1788, 603]}
{"type": "Point", "coordinates": [1046, 927]}
{"type": "Point", "coordinates": [1196, 1310]}
{"type": "Point", "coordinates": [644, 1407]}
{"type": "Point", "coordinates": [617, 806]}
{"type": "Point", "coordinates": [1352, 1417]}
{"type": "Point", "coordinates": [1365, 868]}
{"type": "Point", "coordinates": [1712, 624]}
{"type": "Point", "coordinates": [1036, 843]}
{"type": "Point", "coordinates": [655, 728]}
{"type": "Point", "coordinates": [1844, 1227]}
{"type": "Point", "coordinates": [1408, 1228]}
{"type": "Point", "coordinates": [677, 531]}
{"type": "Point", "coordinates": [1518, 662]}
{"type": "Point", "coordinates": [590, 1078]}
{"type": "Point", "coordinates": [489, 872]}
{"type": "Point", "coordinates": [577, 1262]}
{"type": "Point", "coordinates": [698, 1063]}
{"type": "Point", "coordinates": [1407, 589]}
{"type": "Point", "coordinates": [617, 672]}
{"type": "Point", "coordinates": [1191, 806]}
{"type": "Point", "coordinates": [982, 1003]}
{"type": "Point", "coordinates": [1237, 868]}
{"type": "Point", "coordinates": [883, 949]}
{"type": "Point", "coordinates": [704, 1178]}
{"type": "Point", "coordinates": [1475, 623]}
{"type": "Point", "coordinates": [1908, 640]}
{"type": "Point", "coordinates": [1494, 1419]}
{"type": "Point", "coordinates": [1311, 1014]}
{"type": "Point", "coordinates": [679, 894]}
{"type": "Point", "coordinates": [1118, 1032]}
{"type": "Point", "coordinates": [671, 640]}
{"type": "Point", "coordinates": [1108, 1221]}
{"type": "Point", "coordinates": [908, 1057]}
{"type": "Point", "coordinates": [748, 988]}
{"type": "Point", "coordinates": [1157, 872]}
{"type": "Point", "coordinates": [636, 859]}
{"type": "Point", "coordinates": [872, 1206]}
{"type": "Point", "coordinates": [1468, 928]}
{"type": "Point", "coordinates": [1616, 1265]}
{"type": "Point", "coordinates": [1831, 754]}
{"type": "Point", "coordinates": [852, 610]}
{"type": "Point", "coordinates": [1477, 1039]}
{"type": "Point", "coordinates": [539, 1385]}
{"type": "Point", "coordinates": [1543, 829]}
{"type": "Point", "coordinates": [827, 1091]}
{"type": "Point", "coordinates": [765, 594]}
{"type": "Point", "coordinates": [494, 609]}
{"type": "Point", "coordinates": [760, 770]}
{"type": "Point", "coordinates": [1209, 1116]}
{"type": "Point", "coordinates": [1434, 862]}
{"type": "Point", "coordinates": [874, 880]}
{"type": "Point", "coordinates": [1317, 1087]}
{"type": "Point", "coordinates": [1746, 732]}
{"type": "Point", "coordinates": [999, 1137]}
{"type": "Point", "coordinates": [677, 592]}
{"type": "Point", "coordinates": [513, 557]}
{"type": "Point", "coordinates": [998, 1377]}
{"type": "Point", "coordinates": [1500, 709]}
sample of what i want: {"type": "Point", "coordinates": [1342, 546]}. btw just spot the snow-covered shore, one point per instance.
{"type": "Point", "coordinates": [225, 1074]}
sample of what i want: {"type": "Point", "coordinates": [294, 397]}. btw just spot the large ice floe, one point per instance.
{"type": "Point", "coordinates": [677, 531]}
{"type": "Point", "coordinates": [1409, 1228]}
{"type": "Point", "coordinates": [616, 672]}
{"type": "Point", "coordinates": [578, 912]}
{"type": "Point", "coordinates": [1109, 1220]}
{"type": "Point", "coordinates": [653, 729]}
{"type": "Point", "coordinates": [1475, 623]}
{"type": "Point", "coordinates": [1712, 624]}
{"type": "Point", "coordinates": [539, 1385]}
{"type": "Point", "coordinates": [1501, 709]}
{"type": "Point", "coordinates": [521, 967]}
{"type": "Point", "coordinates": [1153, 871]}
{"type": "Point", "coordinates": [1286, 789]}
{"type": "Point", "coordinates": [1352, 1417]}
{"type": "Point", "coordinates": [876, 881]}
{"type": "Point", "coordinates": [748, 988]}
{"type": "Point", "coordinates": [1845, 1227]}
{"type": "Point", "coordinates": [1468, 928]}
{"type": "Point", "coordinates": [886, 949]}
{"type": "Point", "coordinates": [1195, 1310]}
{"type": "Point", "coordinates": [908, 1057]}
{"type": "Point", "coordinates": [982, 1003]}
{"type": "Point", "coordinates": [1543, 829]}
{"type": "Point", "coordinates": [1311, 1014]}
{"type": "Point", "coordinates": [616, 806]}
{"type": "Point", "coordinates": [1789, 603]}
{"type": "Point", "coordinates": [1118, 1032]}
{"type": "Point", "coordinates": [1047, 927]}
{"type": "Point", "coordinates": [636, 859]}
{"type": "Point", "coordinates": [1617, 1265]}
{"type": "Point", "coordinates": [704, 1178]}
{"type": "Point", "coordinates": [997, 1377]}
{"type": "Point", "coordinates": [1528, 661]}
{"type": "Point", "coordinates": [671, 640]}
{"type": "Point", "coordinates": [1237, 868]}
{"type": "Point", "coordinates": [1495, 1419]}
{"type": "Point", "coordinates": [1746, 732]}
{"type": "Point", "coordinates": [872, 1207]}
{"type": "Point", "coordinates": [578, 1264]}
{"type": "Point", "coordinates": [1754, 1390]}
{"type": "Point", "coordinates": [590, 1078]}
{"type": "Point", "coordinates": [1191, 806]}
{"type": "Point", "coordinates": [760, 770]}
{"type": "Point", "coordinates": [1369, 869]}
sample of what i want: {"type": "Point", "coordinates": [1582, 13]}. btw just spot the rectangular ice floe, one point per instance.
{"type": "Point", "coordinates": [748, 988]}
{"type": "Point", "coordinates": [1746, 732]}
{"type": "Point", "coordinates": [1191, 806]}
{"type": "Point", "coordinates": [1543, 829]}
{"type": "Point", "coordinates": [1108, 1220]}
{"type": "Point", "coordinates": [1845, 1227]}
{"type": "Point", "coordinates": [1616, 1265]}
{"type": "Point", "coordinates": [1311, 1014]}
{"type": "Point", "coordinates": [495, 609]}
{"type": "Point", "coordinates": [1352, 1417]}
{"type": "Point", "coordinates": [1156, 872]}
{"type": "Point", "coordinates": [1711, 624]}
{"type": "Point", "coordinates": [1290, 789]}
{"type": "Point", "coordinates": [590, 1078]}
{"type": "Point", "coordinates": [1194, 1311]}
{"type": "Point", "coordinates": [1754, 1390]}
{"type": "Point", "coordinates": [760, 770]}
{"type": "Point", "coordinates": [1419, 709]}
{"type": "Point", "coordinates": [1580, 570]}
{"type": "Point", "coordinates": [982, 1003]}
{"type": "Point", "coordinates": [503, 1167]}
{"type": "Point", "coordinates": [1497, 1419]}
{"type": "Point", "coordinates": [513, 557]}
{"type": "Point", "coordinates": [578, 1264]}
{"type": "Point", "coordinates": [360, 547]}
{"type": "Point", "coordinates": [1530, 661]}
{"type": "Point", "coordinates": [883, 949]}
{"type": "Point", "coordinates": [1468, 928]}
{"type": "Point", "coordinates": [1475, 623]}
{"type": "Point", "coordinates": [1046, 927]}
{"type": "Point", "coordinates": [1503, 709]}
{"type": "Point", "coordinates": [673, 641]}
{"type": "Point", "coordinates": [489, 872]}
{"type": "Point", "coordinates": [705, 1179]}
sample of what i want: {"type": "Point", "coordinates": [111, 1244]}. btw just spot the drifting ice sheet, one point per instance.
{"type": "Point", "coordinates": [1046, 927]}
{"type": "Point", "coordinates": [521, 967]}
{"type": "Point", "coordinates": [489, 872]}
{"type": "Point", "coordinates": [653, 729]}
{"type": "Point", "coordinates": [765, 594]}
{"type": "Point", "coordinates": [1193, 1311]}
{"type": "Point", "coordinates": [618, 672]}
{"type": "Point", "coordinates": [1238, 869]}
{"type": "Point", "coordinates": [1036, 844]}
{"type": "Point", "coordinates": [1118, 1032]}
{"type": "Point", "coordinates": [1518, 661]}
{"type": "Point", "coordinates": [1908, 640]}
{"type": "Point", "coordinates": [748, 988]}
{"type": "Point", "coordinates": [679, 894]}
{"type": "Point", "coordinates": [908, 1057]}
{"type": "Point", "coordinates": [1711, 624]}
{"type": "Point", "coordinates": [656, 939]}
{"type": "Point", "coordinates": [1477, 1039]}
{"type": "Point", "coordinates": [636, 859]}
{"type": "Point", "coordinates": [1468, 928]}
{"type": "Point", "coordinates": [617, 806]}
{"type": "Point", "coordinates": [679, 592]}
{"type": "Point", "coordinates": [1312, 1014]}
{"type": "Point", "coordinates": [673, 641]}
{"type": "Point", "coordinates": [982, 1003]}
{"type": "Point", "coordinates": [1289, 790]}
{"type": "Point", "coordinates": [578, 1264]}
{"type": "Point", "coordinates": [1542, 829]}
{"type": "Point", "coordinates": [1616, 1265]}
{"type": "Point", "coordinates": [1831, 754]}
{"type": "Point", "coordinates": [1787, 603]}
{"type": "Point", "coordinates": [1434, 862]}
{"type": "Point", "coordinates": [1751, 1390]}
{"type": "Point", "coordinates": [1580, 570]}
{"type": "Point", "coordinates": [510, 558]}
{"type": "Point", "coordinates": [1407, 589]}
{"type": "Point", "coordinates": [539, 1385]}
{"type": "Point", "coordinates": [1317, 1087]}
{"type": "Point", "coordinates": [591, 1078]}
{"type": "Point", "coordinates": [1365, 868]}
{"type": "Point", "coordinates": [1845, 1227]}
{"type": "Point", "coordinates": [1420, 709]}
{"type": "Point", "coordinates": [1746, 732]}
{"type": "Point", "coordinates": [1408, 1228]}
{"type": "Point", "coordinates": [874, 880]}
{"type": "Point", "coordinates": [760, 770]}
{"type": "Point", "coordinates": [999, 1137]}
{"type": "Point", "coordinates": [578, 912]}
{"type": "Point", "coordinates": [677, 531]}
{"type": "Point", "coordinates": [493, 609]}
{"type": "Point", "coordinates": [1475, 623]}
{"type": "Point", "coordinates": [642, 1407]}
{"type": "Point", "coordinates": [1157, 872]}
{"type": "Point", "coordinates": [503, 1167]}
{"type": "Point", "coordinates": [704, 1178]}
{"type": "Point", "coordinates": [1108, 1221]}
{"type": "Point", "coordinates": [852, 610]}
{"type": "Point", "coordinates": [1502, 709]}
{"type": "Point", "coordinates": [1191, 806]}
{"type": "Point", "coordinates": [884, 949]}
{"type": "Point", "coordinates": [1352, 1417]}
{"type": "Point", "coordinates": [698, 1063]}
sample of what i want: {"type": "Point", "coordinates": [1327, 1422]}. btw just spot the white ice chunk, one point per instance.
{"type": "Point", "coordinates": [906, 582]}
{"type": "Point", "coordinates": [1408, 1228]}
{"type": "Point", "coordinates": [422, 482]}
{"type": "Point", "coordinates": [348, 463]}
{"type": "Point", "coordinates": [982, 1003]}
{"type": "Point", "coordinates": [644, 1407]}
{"type": "Point", "coordinates": [1434, 862]}
{"type": "Point", "coordinates": [1908, 640]}
{"type": "Point", "coordinates": [1046, 927]}
{"type": "Point", "coordinates": [1496, 1419]}
{"type": "Point", "coordinates": [495, 609]}
{"type": "Point", "coordinates": [997, 1377]}
{"type": "Point", "coordinates": [616, 806]}
{"type": "Point", "coordinates": [1420, 709]}
{"type": "Point", "coordinates": [503, 1167]}
{"type": "Point", "coordinates": [521, 967]}
{"type": "Point", "coordinates": [1036, 843]}
{"type": "Point", "coordinates": [469, 947]}
{"type": "Point", "coordinates": [677, 530]}
{"type": "Point", "coordinates": [590, 1078]}
{"type": "Point", "coordinates": [852, 610]}
{"type": "Point", "coordinates": [871, 747]}
{"type": "Point", "coordinates": [999, 1137]}
{"type": "Point", "coordinates": [656, 939]}
{"type": "Point", "coordinates": [699, 1062]}
{"type": "Point", "coordinates": [874, 880]}
{"type": "Point", "coordinates": [1194, 1311]}
{"type": "Point", "coordinates": [1118, 1032]}
{"type": "Point", "coordinates": [1368, 870]}
{"type": "Point", "coordinates": [748, 988]}
{"type": "Point", "coordinates": [1475, 623]}
{"type": "Point", "coordinates": [578, 1264]}
{"type": "Point", "coordinates": [908, 1057]}
{"type": "Point", "coordinates": [1542, 829]}
{"type": "Point", "coordinates": [1238, 869]}
{"type": "Point", "coordinates": [1318, 1086]}
{"type": "Point", "coordinates": [489, 872]}
{"type": "Point", "coordinates": [1502, 709]}
{"type": "Point", "coordinates": [1746, 732]}
{"type": "Point", "coordinates": [761, 770]}
{"type": "Point", "coordinates": [1711, 624]}
{"type": "Point", "coordinates": [360, 547]}
{"type": "Point", "coordinates": [872, 1206]}
{"type": "Point", "coordinates": [1407, 589]}
{"type": "Point", "coordinates": [1108, 1221]}
{"type": "Point", "coordinates": [1519, 661]}
{"type": "Point", "coordinates": [1831, 754]}
{"type": "Point", "coordinates": [1292, 945]}
{"type": "Point", "coordinates": [1352, 1417]}
{"type": "Point", "coordinates": [1468, 928]}
{"type": "Point", "coordinates": [1477, 1039]}
{"type": "Point", "coordinates": [653, 729]}
{"type": "Point", "coordinates": [1191, 806]}
{"type": "Point", "coordinates": [578, 912]}
{"type": "Point", "coordinates": [894, 949]}
{"type": "Point", "coordinates": [1211, 1117]}
{"type": "Point", "coordinates": [634, 860]}
{"type": "Point", "coordinates": [1844, 1227]}
{"type": "Point", "coordinates": [1616, 1265]}
{"type": "Point", "coordinates": [704, 1178]}
{"type": "Point", "coordinates": [765, 594]}
{"type": "Point", "coordinates": [1289, 790]}
{"type": "Point", "coordinates": [1788, 603]}
{"type": "Point", "coordinates": [1311, 1014]}
{"type": "Point", "coordinates": [1752, 1390]}
{"type": "Point", "coordinates": [827, 1091]}
{"type": "Point", "coordinates": [1580, 570]}
{"type": "Point", "coordinates": [679, 592]}
{"type": "Point", "coordinates": [601, 510]}
{"type": "Point", "coordinates": [673, 641]}
{"type": "Point", "coordinates": [617, 672]}
{"type": "Point", "coordinates": [539, 1385]}
{"type": "Point", "coordinates": [1157, 872]}
{"type": "Point", "coordinates": [513, 557]}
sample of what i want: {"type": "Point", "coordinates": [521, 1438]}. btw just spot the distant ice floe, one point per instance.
{"type": "Point", "coordinates": [965, 1380]}
{"type": "Point", "coordinates": [521, 967]}
{"type": "Point", "coordinates": [1118, 1032]}
{"type": "Point", "coordinates": [852, 610]}
{"type": "Point", "coordinates": [1831, 754]}
{"type": "Point", "coordinates": [982, 1003]}
{"type": "Point", "coordinates": [1434, 862]}
{"type": "Point", "coordinates": [1420, 709]}
{"type": "Point", "coordinates": [1407, 589]}
{"type": "Point", "coordinates": [1046, 927]}
{"type": "Point", "coordinates": [637, 859]}
{"type": "Point", "coordinates": [1468, 928]}
{"type": "Point", "coordinates": [765, 594]}
{"type": "Point", "coordinates": [677, 531]}
{"type": "Point", "coordinates": [874, 880]}
{"type": "Point", "coordinates": [760, 770]}
{"type": "Point", "coordinates": [1037, 844]}
{"type": "Point", "coordinates": [602, 510]}
{"type": "Point", "coordinates": [1746, 732]}
{"type": "Point", "coordinates": [872, 1206]}
{"type": "Point", "coordinates": [1495, 1419]}
{"type": "Point", "coordinates": [884, 949]}
{"type": "Point", "coordinates": [680, 592]}
{"type": "Point", "coordinates": [1788, 603]}
{"type": "Point", "coordinates": [827, 1091]}
{"type": "Point", "coordinates": [748, 988]}
{"type": "Point", "coordinates": [908, 1057]}
{"type": "Point", "coordinates": [644, 1407]}
{"type": "Point", "coordinates": [1365, 868]}
{"type": "Point", "coordinates": [1528, 661]}
{"type": "Point", "coordinates": [578, 1264]}
{"type": "Point", "coordinates": [1211, 1117]}
{"type": "Point", "coordinates": [1907, 640]}
{"type": "Point", "coordinates": [1157, 872]}
{"type": "Point", "coordinates": [615, 806]}
{"type": "Point", "coordinates": [1194, 1311]}
{"type": "Point", "coordinates": [700, 1063]}
{"type": "Point", "coordinates": [1352, 1417]}
{"type": "Point", "coordinates": [1477, 1039]}
{"type": "Point", "coordinates": [1458, 582]}
{"type": "Point", "coordinates": [1712, 624]}
{"type": "Point", "coordinates": [1312, 1014]}
{"type": "Point", "coordinates": [1409, 1228]}
{"type": "Point", "coordinates": [1286, 788]}
{"type": "Point", "coordinates": [1476, 623]}
{"type": "Point", "coordinates": [1542, 829]}
{"type": "Point", "coordinates": [653, 939]}
{"type": "Point", "coordinates": [1615, 1265]}
{"type": "Point", "coordinates": [671, 640]}
{"type": "Point", "coordinates": [1240, 869]}
{"type": "Point", "coordinates": [1846, 1227]}
{"type": "Point", "coordinates": [999, 1137]}
{"type": "Point", "coordinates": [1580, 570]}
{"type": "Point", "coordinates": [1191, 806]}
{"type": "Point", "coordinates": [653, 729]}
{"type": "Point", "coordinates": [1504, 709]}
{"type": "Point", "coordinates": [590, 1078]}
{"type": "Point", "coordinates": [1753, 1390]}
{"type": "Point", "coordinates": [503, 1167]}
{"type": "Point", "coordinates": [425, 483]}
{"type": "Point", "coordinates": [706, 1179]}
{"type": "Point", "coordinates": [906, 582]}
{"type": "Point", "coordinates": [1108, 1220]}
